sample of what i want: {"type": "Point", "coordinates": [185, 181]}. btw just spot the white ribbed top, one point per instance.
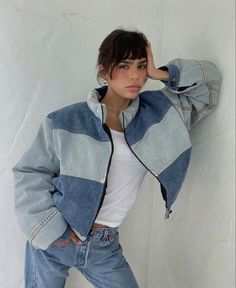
{"type": "Point", "coordinates": [125, 177]}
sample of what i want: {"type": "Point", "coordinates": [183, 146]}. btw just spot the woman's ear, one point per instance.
{"type": "Point", "coordinates": [102, 75]}
{"type": "Point", "coordinates": [102, 72]}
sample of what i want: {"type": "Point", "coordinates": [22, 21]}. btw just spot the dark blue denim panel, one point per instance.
{"type": "Point", "coordinates": [153, 107]}
{"type": "Point", "coordinates": [174, 76]}
{"type": "Point", "coordinates": [173, 176]}
{"type": "Point", "coordinates": [78, 200]}
{"type": "Point", "coordinates": [78, 118]}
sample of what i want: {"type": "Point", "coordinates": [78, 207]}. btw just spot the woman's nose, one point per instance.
{"type": "Point", "coordinates": [134, 74]}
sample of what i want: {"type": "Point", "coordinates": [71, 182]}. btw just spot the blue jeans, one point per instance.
{"type": "Point", "coordinates": [99, 258]}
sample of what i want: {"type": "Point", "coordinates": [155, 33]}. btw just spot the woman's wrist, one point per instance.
{"type": "Point", "coordinates": [158, 74]}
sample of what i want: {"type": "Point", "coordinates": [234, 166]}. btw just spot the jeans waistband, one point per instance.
{"type": "Point", "coordinates": [103, 230]}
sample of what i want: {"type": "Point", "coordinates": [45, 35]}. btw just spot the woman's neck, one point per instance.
{"type": "Point", "coordinates": [114, 102]}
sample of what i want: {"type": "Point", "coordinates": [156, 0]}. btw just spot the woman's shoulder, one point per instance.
{"type": "Point", "coordinates": [68, 110]}
{"type": "Point", "coordinates": [155, 99]}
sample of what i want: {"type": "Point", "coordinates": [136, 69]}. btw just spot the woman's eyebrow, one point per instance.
{"type": "Point", "coordinates": [131, 61]}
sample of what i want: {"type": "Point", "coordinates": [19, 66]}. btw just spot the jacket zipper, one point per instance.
{"type": "Point", "coordinates": [168, 211]}
{"type": "Point", "coordinates": [133, 151]}
{"type": "Point", "coordinates": [106, 128]}
{"type": "Point", "coordinates": [108, 167]}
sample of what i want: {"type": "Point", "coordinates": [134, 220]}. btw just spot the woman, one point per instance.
{"type": "Point", "coordinates": [76, 183]}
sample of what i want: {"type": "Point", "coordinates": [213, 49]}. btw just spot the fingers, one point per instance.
{"type": "Point", "coordinates": [149, 54]}
{"type": "Point", "coordinates": [149, 48]}
{"type": "Point", "coordinates": [74, 238]}
{"type": "Point", "coordinates": [151, 69]}
{"type": "Point", "coordinates": [62, 244]}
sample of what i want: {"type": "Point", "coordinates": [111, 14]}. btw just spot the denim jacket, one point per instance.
{"type": "Point", "coordinates": [61, 179]}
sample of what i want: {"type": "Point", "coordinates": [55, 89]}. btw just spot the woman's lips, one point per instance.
{"type": "Point", "coordinates": [133, 88]}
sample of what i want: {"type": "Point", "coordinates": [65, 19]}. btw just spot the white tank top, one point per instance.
{"type": "Point", "coordinates": [125, 177]}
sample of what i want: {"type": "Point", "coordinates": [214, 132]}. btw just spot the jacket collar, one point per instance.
{"type": "Point", "coordinates": [99, 109]}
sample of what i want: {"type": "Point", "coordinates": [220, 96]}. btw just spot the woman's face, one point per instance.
{"type": "Point", "coordinates": [128, 78]}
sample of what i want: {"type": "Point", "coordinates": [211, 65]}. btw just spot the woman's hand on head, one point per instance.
{"type": "Point", "coordinates": [153, 72]}
{"type": "Point", "coordinates": [151, 69]}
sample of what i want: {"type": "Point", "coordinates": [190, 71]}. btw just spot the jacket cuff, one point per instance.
{"type": "Point", "coordinates": [185, 75]}
{"type": "Point", "coordinates": [49, 232]}
{"type": "Point", "coordinates": [174, 76]}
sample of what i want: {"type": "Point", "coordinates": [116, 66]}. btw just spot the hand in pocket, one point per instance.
{"type": "Point", "coordinates": [71, 237]}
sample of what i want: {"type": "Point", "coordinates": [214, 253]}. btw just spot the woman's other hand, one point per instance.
{"type": "Point", "coordinates": [153, 72]}
{"type": "Point", "coordinates": [72, 237]}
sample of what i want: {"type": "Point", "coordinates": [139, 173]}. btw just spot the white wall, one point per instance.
{"type": "Point", "coordinates": [196, 247]}
{"type": "Point", "coordinates": [48, 52]}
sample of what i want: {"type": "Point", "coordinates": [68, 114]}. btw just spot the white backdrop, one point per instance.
{"type": "Point", "coordinates": [48, 52]}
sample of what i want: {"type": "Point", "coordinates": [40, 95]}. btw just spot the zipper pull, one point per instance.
{"type": "Point", "coordinates": [167, 215]}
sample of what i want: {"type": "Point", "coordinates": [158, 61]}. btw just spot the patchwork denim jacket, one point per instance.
{"type": "Point", "coordinates": [61, 179]}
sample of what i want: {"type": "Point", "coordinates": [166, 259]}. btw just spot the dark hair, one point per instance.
{"type": "Point", "coordinates": [119, 45]}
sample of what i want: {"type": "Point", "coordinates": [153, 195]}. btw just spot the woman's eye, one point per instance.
{"type": "Point", "coordinates": [123, 66]}
{"type": "Point", "coordinates": [143, 66]}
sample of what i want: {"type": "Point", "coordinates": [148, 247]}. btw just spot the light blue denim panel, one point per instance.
{"type": "Point", "coordinates": [164, 145]}
{"type": "Point", "coordinates": [190, 72]}
{"type": "Point", "coordinates": [32, 177]}
{"type": "Point", "coordinates": [196, 102]}
{"type": "Point", "coordinates": [80, 155]}
{"type": "Point", "coordinates": [48, 230]}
